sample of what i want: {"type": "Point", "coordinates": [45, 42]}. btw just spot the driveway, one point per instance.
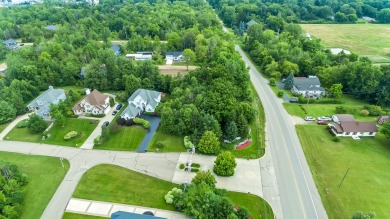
{"type": "Point", "coordinates": [154, 122]}
{"type": "Point", "coordinates": [88, 144]}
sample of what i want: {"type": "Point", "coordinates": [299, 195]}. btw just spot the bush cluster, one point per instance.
{"type": "Point", "coordinates": [70, 135]}
{"type": "Point", "coordinates": [187, 143]}
{"type": "Point", "coordinates": [373, 110]}
{"type": "Point", "coordinates": [22, 124]}
{"type": "Point", "coordinates": [142, 122]}
{"type": "Point", "coordinates": [280, 93]}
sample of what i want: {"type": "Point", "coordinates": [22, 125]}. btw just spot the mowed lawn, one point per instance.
{"type": "Point", "coordinates": [172, 143]}
{"type": "Point", "coordinates": [371, 40]}
{"type": "Point", "coordinates": [44, 176]}
{"type": "Point", "coordinates": [83, 126]}
{"type": "Point", "coordinates": [352, 106]}
{"type": "Point", "coordinates": [134, 188]}
{"type": "Point", "coordinates": [365, 187]}
{"type": "Point", "coordinates": [126, 138]}
{"type": "Point", "coordinates": [3, 126]}
{"type": "Point", "coordinates": [68, 215]}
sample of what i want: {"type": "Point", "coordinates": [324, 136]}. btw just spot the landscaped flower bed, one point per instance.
{"type": "Point", "coordinates": [243, 145]}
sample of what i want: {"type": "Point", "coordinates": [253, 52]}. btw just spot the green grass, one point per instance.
{"type": "Point", "coordinates": [257, 207]}
{"type": "Point", "coordinates": [68, 215]}
{"type": "Point", "coordinates": [352, 105]}
{"type": "Point", "coordinates": [127, 138]}
{"type": "Point", "coordinates": [372, 40]}
{"type": "Point", "coordinates": [365, 186]}
{"type": "Point", "coordinates": [134, 188]}
{"type": "Point", "coordinates": [172, 143]}
{"type": "Point", "coordinates": [57, 133]}
{"type": "Point", "coordinates": [44, 175]}
{"type": "Point", "coordinates": [3, 126]}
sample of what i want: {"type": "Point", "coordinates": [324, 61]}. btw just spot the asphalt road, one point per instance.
{"type": "Point", "coordinates": [298, 194]}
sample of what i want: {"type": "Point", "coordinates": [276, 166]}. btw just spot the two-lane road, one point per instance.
{"type": "Point", "coordinates": [298, 194]}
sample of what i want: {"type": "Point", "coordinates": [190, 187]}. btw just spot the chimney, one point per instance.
{"type": "Point", "coordinates": [50, 87]}
{"type": "Point", "coordinates": [87, 91]}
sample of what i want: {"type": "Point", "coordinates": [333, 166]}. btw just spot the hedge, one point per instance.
{"type": "Point", "coordinates": [142, 122]}
{"type": "Point", "coordinates": [70, 135]}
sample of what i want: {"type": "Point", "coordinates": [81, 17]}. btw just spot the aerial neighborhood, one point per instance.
{"type": "Point", "coordinates": [194, 109]}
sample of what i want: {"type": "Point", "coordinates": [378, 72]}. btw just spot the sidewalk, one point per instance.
{"type": "Point", "coordinates": [105, 209]}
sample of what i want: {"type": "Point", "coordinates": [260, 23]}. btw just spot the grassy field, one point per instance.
{"type": "Point", "coordinates": [126, 138]}
{"type": "Point", "coordinates": [134, 188]}
{"type": "Point", "coordinates": [68, 215]}
{"type": "Point", "coordinates": [352, 106]}
{"type": "Point", "coordinates": [172, 143]}
{"type": "Point", "coordinates": [44, 175]}
{"type": "Point", "coordinates": [369, 40]}
{"type": "Point", "coordinates": [3, 126]}
{"type": "Point", "coordinates": [57, 133]}
{"type": "Point", "coordinates": [364, 187]}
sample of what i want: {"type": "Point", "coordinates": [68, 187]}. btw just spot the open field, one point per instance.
{"type": "Point", "coordinates": [172, 143]}
{"type": "Point", "coordinates": [44, 176]}
{"type": "Point", "coordinates": [84, 126]}
{"type": "Point", "coordinates": [352, 106]}
{"type": "Point", "coordinates": [126, 138]}
{"type": "Point", "coordinates": [364, 187]}
{"type": "Point", "coordinates": [134, 188]}
{"type": "Point", "coordinates": [371, 40]}
{"type": "Point", "coordinates": [173, 70]}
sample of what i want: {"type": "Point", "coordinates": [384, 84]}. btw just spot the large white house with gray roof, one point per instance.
{"type": "Point", "coordinates": [308, 87]}
{"type": "Point", "coordinates": [140, 101]}
{"type": "Point", "coordinates": [41, 104]}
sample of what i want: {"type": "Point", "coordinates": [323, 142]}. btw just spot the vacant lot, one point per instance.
{"type": "Point", "coordinates": [371, 40]}
{"type": "Point", "coordinates": [134, 188]}
{"type": "Point", "coordinates": [44, 176]}
{"type": "Point", "coordinates": [365, 186]}
{"type": "Point", "coordinates": [83, 126]}
{"type": "Point", "coordinates": [125, 138]}
{"type": "Point", "coordinates": [173, 70]}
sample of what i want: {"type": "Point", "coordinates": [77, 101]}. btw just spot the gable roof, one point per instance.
{"type": "Point", "coordinates": [46, 98]}
{"type": "Point", "coordinates": [355, 126]}
{"type": "Point", "coordinates": [174, 54]}
{"type": "Point", "coordinates": [251, 22]}
{"type": "Point", "coordinates": [95, 98]}
{"type": "Point", "coordinates": [308, 84]}
{"type": "Point", "coordinates": [336, 51]}
{"type": "Point", "coordinates": [149, 95]}
{"type": "Point", "coordinates": [115, 48]}
{"type": "Point", "coordinates": [9, 42]}
{"type": "Point", "coordinates": [343, 118]}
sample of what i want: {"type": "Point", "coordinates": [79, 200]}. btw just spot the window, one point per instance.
{"type": "Point", "coordinates": [354, 133]}
{"type": "Point", "coordinates": [371, 133]}
{"type": "Point", "coordinates": [347, 133]}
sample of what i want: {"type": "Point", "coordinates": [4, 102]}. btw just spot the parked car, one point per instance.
{"type": "Point", "coordinates": [114, 113]}
{"type": "Point", "coordinates": [294, 100]}
{"type": "Point", "coordinates": [324, 118]}
{"type": "Point", "coordinates": [105, 124]}
{"type": "Point", "coordinates": [119, 106]}
{"type": "Point", "coordinates": [322, 122]}
{"type": "Point", "coordinates": [309, 118]}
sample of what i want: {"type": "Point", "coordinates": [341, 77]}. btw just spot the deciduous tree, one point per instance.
{"type": "Point", "coordinates": [209, 143]}
{"type": "Point", "coordinates": [225, 164]}
{"type": "Point", "coordinates": [36, 124]}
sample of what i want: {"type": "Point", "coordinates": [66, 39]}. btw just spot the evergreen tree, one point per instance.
{"type": "Point", "coordinates": [289, 82]}
{"type": "Point", "coordinates": [242, 126]}
{"type": "Point", "coordinates": [231, 131]}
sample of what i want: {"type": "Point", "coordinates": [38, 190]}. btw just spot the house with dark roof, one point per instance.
{"type": "Point", "coordinates": [140, 101]}
{"type": "Point", "coordinates": [41, 104]}
{"type": "Point", "coordinates": [116, 49]}
{"type": "Point", "coordinates": [175, 56]}
{"type": "Point", "coordinates": [308, 87]}
{"type": "Point", "coordinates": [94, 102]}
{"type": "Point", "coordinates": [344, 125]}
{"type": "Point", "coordinates": [11, 44]}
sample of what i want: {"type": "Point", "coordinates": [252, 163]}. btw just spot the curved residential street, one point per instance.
{"type": "Point", "coordinates": [298, 194]}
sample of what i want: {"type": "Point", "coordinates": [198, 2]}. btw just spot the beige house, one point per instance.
{"type": "Point", "coordinates": [94, 102]}
{"type": "Point", "coordinates": [344, 125]}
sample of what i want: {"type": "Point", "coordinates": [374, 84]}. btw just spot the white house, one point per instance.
{"type": "Point", "coordinates": [344, 125]}
{"type": "Point", "coordinates": [140, 101]}
{"type": "Point", "coordinates": [336, 51]}
{"type": "Point", "coordinates": [94, 102]}
{"type": "Point", "coordinates": [41, 104]}
{"type": "Point", "coordinates": [308, 87]}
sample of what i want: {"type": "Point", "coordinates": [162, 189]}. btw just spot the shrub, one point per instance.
{"type": "Point", "coordinates": [142, 122]}
{"type": "Point", "coordinates": [340, 110]}
{"type": "Point", "coordinates": [187, 143]}
{"type": "Point", "coordinates": [96, 141]}
{"type": "Point", "coordinates": [225, 164]}
{"type": "Point", "coordinates": [182, 166]}
{"type": "Point", "coordinates": [272, 82]}
{"type": "Point", "coordinates": [172, 196]}
{"type": "Point", "coordinates": [160, 144]}
{"type": "Point", "coordinates": [336, 139]}
{"type": "Point", "coordinates": [373, 110]}
{"type": "Point", "coordinates": [206, 177]}
{"type": "Point", "coordinates": [70, 135]}
{"type": "Point", "coordinates": [194, 170]}
{"type": "Point", "coordinates": [120, 121]}
{"type": "Point", "coordinates": [196, 165]}
{"type": "Point", "coordinates": [22, 124]}
{"type": "Point", "coordinates": [129, 122]}
{"type": "Point", "coordinates": [364, 112]}
{"type": "Point", "coordinates": [280, 93]}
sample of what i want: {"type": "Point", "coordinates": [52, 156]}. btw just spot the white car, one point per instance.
{"type": "Point", "coordinates": [324, 118]}
{"type": "Point", "coordinates": [309, 118]}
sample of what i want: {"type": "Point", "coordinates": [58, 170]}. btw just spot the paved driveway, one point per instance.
{"type": "Point", "coordinates": [154, 122]}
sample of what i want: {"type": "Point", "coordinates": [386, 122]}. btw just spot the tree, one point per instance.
{"type": "Point", "coordinates": [231, 131]}
{"type": "Point", "coordinates": [225, 164]}
{"type": "Point", "coordinates": [336, 90]}
{"type": "Point", "coordinates": [242, 126]}
{"type": "Point", "coordinates": [112, 102]}
{"type": "Point", "coordinates": [204, 176]}
{"type": "Point", "coordinates": [209, 143]}
{"type": "Point", "coordinates": [7, 112]}
{"type": "Point", "coordinates": [132, 83]}
{"type": "Point", "coordinates": [105, 134]}
{"type": "Point", "coordinates": [386, 130]}
{"type": "Point", "coordinates": [383, 16]}
{"type": "Point", "coordinates": [289, 67]}
{"type": "Point", "coordinates": [289, 82]}
{"type": "Point", "coordinates": [188, 56]}
{"type": "Point", "coordinates": [59, 118]}
{"type": "Point", "coordinates": [36, 124]}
